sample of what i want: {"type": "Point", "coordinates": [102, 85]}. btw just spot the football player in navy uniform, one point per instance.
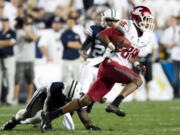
{"type": "Point", "coordinates": [49, 98]}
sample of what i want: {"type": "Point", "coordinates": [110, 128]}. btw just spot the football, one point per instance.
{"type": "Point", "coordinates": [120, 41]}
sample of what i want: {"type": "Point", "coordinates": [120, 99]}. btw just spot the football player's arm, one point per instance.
{"type": "Point", "coordinates": [104, 37]}
{"type": "Point", "coordinates": [86, 45]}
{"type": "Point", "coordinates": [138, 65]}
{"type": "Point", "coordinates": [83, 115]}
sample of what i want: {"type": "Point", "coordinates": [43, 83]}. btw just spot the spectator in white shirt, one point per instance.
{"type": "Point", "coordinates": [50, 44]}
{"type": "Point", "coordinates": [171, 41]}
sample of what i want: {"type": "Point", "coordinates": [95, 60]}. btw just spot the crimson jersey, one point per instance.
{"type": "Point", "coordinates": [128, 30]}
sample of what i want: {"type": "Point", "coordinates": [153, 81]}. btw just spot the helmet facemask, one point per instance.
{"type": "Point", "coordinates": [109, 15]}
{"type": "Point", "coordinates": [146, 23]}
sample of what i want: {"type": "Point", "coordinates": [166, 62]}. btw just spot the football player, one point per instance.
{"type": "Point", "coordinates": [50, 98]}
{"type": "Point", "coordinates": [88, 75]}
{"type": "Point", "coordinates": [115, 66]}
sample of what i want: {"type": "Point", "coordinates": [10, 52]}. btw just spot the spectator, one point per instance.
{"type": "Point", "coordinates": [50, 44]}
{"type": "Point", "coordinates": [31, 4]}
{"type": "Point", "coordinates": [39, 18]}
{"type": "Point", "coordinates": [58, 13]}
{"type": "Point", "coordinates": [71, 55]}
{"type": "Point", "coordinates": [78, 27]}
{"type": "Point", "coordinates": [146, 57]}
{"type": "Point", "coordinates": [171, 41]}
{"type": "Point", "coordinates": [121, 6]}
{"type": "Point", "coordinates": [20, 18]}
{"type": "Point", "coordinates": [10, 11]}
{"type": "Point", "coordinates": [50, 6]}
{"type": "Point", "coordinates": [7, 60]}
{"type": "Point", "coordinates": [25, 56]}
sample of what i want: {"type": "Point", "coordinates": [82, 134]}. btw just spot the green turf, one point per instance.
{"type": "Point", "coordinates": [143, 118]}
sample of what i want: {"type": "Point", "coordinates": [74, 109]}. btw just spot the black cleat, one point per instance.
{"type": "Point", "coordinates": [116, 110]}
{"type": "Point", "coordinates": [10, 124]}
{"type": "Point", "coordinates": [45, 122]}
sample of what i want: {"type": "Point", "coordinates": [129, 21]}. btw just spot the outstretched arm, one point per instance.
{"type": "Point", "coordinates": [83, 115]}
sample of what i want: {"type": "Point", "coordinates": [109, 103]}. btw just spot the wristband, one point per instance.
{"type": "Point", "coordinates": [136, 63]}
{"type": "Point", "coordinates": [111, 46]}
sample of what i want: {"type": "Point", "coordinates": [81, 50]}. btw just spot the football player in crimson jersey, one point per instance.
{"type": "Point", "coordinates": [114, 67]}
{"type": "Point", "coordinates": [88, 74]}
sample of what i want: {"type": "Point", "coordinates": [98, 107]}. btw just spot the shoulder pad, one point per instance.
{"type": "Point", "coordinates": [123, 25]}
{"type": "Point", "coordinates": [93, 30]}
{"type": "Point", "coordinates": [89, 31]}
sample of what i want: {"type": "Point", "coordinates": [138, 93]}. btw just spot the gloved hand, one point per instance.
{"type": "Point", "coordinates": [141, 68]}
{"type": "Point", "coordinates": [92, 127]}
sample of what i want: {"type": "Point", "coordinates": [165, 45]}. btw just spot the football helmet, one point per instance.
{"type": "Point", "coordinates": [109, 14]}
{"type": "Point", "coordinates": [72, 90]}
{"type": "Point", "coordinates": [142, 18]}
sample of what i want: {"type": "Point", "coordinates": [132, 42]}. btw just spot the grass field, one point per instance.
{"type": "Point", "coordinates": [143, 118]}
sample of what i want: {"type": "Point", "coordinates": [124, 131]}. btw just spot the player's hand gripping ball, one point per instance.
{"type": "Point", "coordinates": [120, 42]}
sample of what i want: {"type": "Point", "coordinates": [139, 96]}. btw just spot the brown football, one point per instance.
{"type": "Point", "coordinates": [120, 41]}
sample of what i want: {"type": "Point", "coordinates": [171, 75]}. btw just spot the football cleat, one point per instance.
{"type": "Point", "coordinates": [116, 110]}
{"type": "Point", "coordinates": [10, 124]}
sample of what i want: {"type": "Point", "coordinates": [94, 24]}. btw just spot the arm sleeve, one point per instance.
{"type": "Point", "coordinates": [87, 43]}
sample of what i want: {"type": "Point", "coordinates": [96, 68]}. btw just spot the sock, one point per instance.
{"type": "Point", "coordinates": [117, 100]}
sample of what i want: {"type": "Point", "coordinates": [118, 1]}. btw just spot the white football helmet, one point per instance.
{"type": "Point", "coordinates": [109, 14]}
{"type": "Point", "coordinates": [72, 90]}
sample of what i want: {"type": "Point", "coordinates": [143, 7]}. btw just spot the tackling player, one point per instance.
{"type": "Point", "coordinates": [115, 67]}
{"type": "Point", "coordinates": [51, 97]}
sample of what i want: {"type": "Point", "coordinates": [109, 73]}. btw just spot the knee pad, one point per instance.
{"type": "Point", "coordinates": [137, 81]}
{"type": "Point", "coordinates": [20, 114]}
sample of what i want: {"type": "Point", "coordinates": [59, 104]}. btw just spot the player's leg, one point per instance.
{"type": "Point", "coordinates": [124, 75]}
{"type": "Point", "coordinates": [35, 104]}
{"type": "Point", "coordinates": [98, 89]}
{"type": "Point", "coordinates": [33, 120]}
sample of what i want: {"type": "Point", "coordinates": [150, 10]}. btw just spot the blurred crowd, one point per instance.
{"type": "Point", "coordinates": [52, 31]}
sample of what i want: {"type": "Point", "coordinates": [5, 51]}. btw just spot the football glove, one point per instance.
{"type": "Point", "coordinates": [92, 127]}
{"type": "Point", "coordinates": [141, 68]}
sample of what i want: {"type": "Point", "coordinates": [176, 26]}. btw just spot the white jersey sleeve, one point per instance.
{"type": "Point", "coordinates": [123, 26]}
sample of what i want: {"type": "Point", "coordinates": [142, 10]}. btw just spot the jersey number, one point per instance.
{"type": "Point", "coordinates": [98, 50]}
{"type": "Point", "coordinates": [130, 52]}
